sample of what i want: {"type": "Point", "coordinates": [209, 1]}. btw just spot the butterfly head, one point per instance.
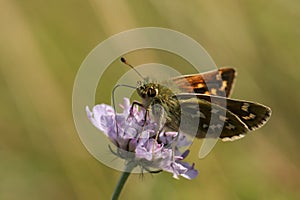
{"type": "Point", "coordinates": [148, 91]}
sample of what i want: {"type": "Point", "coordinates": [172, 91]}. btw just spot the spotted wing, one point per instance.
{"type": "Point", "coordinates": [218, 82]}
{"type": "Point", "coordinates": [253, 114]}
{"type": "Point", "coordinates": [228, 119]}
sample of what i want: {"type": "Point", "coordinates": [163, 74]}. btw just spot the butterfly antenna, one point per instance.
{"type": "Point", "coordinates": [123, 60]}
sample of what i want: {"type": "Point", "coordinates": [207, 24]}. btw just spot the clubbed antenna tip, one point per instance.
{"type": "Point", "coordinates": [123, 60]}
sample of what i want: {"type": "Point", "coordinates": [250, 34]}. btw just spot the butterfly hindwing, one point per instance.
{"type": "Point", "coordinates": [241, 116]}
{"type": "Point", "coordinates": [254, 115]}
{"type": "Point", "coordinates": [213, 120]}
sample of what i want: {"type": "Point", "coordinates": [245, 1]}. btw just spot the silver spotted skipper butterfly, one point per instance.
{"type": "Point", "coordinates": [204, 97]}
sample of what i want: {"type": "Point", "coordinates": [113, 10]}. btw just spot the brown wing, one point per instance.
{"type": "Point", "coordinates": [241, 116]}
{"type": "Point", "coordinates": [204, 119]}
{"type": "Point", "coordinates": [218, 82]}
{"type": "Point", "coordinates": [253, 114]}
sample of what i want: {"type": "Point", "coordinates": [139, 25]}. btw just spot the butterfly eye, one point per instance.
{"type": "Point", "coordinates": [152, 92]}
{"type": "Point", "coordinates": [143, 95]}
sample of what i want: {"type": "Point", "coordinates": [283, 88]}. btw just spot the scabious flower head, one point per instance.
{"type": "Point", "coordinates": [137, 139]}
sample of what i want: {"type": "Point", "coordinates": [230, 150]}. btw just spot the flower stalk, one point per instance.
{"type": "Point", "coordinates": [122, 180]}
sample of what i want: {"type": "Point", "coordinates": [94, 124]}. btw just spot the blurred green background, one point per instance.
{"type": "Point", "coordinates": [42, 44]}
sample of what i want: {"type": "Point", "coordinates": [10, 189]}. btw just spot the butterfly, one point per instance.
{"type": "Point", "coordinates": [200, 106]}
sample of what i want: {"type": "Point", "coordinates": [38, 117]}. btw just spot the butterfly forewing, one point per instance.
{"type": "Point", "coordinates": [218, 82]}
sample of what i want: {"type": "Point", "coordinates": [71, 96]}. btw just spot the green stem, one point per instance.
{"type": "Point", "coordinates": [122, 180]}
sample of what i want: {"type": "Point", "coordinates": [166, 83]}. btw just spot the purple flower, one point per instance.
{"type": "Point", "coordinates": [138, 138]}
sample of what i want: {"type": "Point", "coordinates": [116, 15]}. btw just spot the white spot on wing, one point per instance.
{"type": "Point", "coordinates": [213, 126]}
{"type": "Point", "coordinates": [218, 76]}
{"type": "Point", "coordinates": [198, 114]}
{"type": "Point", "coordinates": [223, 118]}
{"type": "Point", "coordinates": [251, 116]}
{"type": "Point", "coordinates": [245, 107]}
{"type": "Point", "coordinates": [236, 137]}
{"type": "Point", "coordinates": [214, 110]}
{"type": "Point", "coordinates": [230, 126]}
{"type": "Point", "coordinates": [213, 91]}
{"type": "Point", "coordinates": [224, 85]}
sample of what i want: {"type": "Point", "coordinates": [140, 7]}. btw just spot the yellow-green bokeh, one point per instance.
{"type": "Point", "coordinates": [42, 44]}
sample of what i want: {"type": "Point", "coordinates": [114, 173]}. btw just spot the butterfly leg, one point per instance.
{"type": "Point", "coordinates": [131, 114]}
{"type": "Point", "coordinates": [159, 116]}
{"type": "Point", "coordinates": [132, 106]}
{"type": "Point", "coordinates": [174, 145]}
